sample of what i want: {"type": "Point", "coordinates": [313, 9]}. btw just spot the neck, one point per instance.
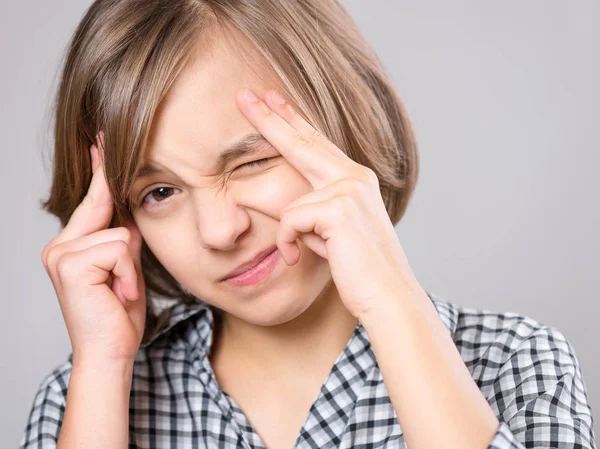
{"type": "Point", "coordinates": [308, 345]}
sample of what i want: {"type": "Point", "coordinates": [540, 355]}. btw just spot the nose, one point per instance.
{"type": "Point", "coordinates": [220, 221]}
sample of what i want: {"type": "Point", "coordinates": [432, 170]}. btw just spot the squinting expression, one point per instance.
{"type": "Point", "coordinates": [211, 190]}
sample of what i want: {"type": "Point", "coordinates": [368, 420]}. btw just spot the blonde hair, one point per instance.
{"type": "Point", "coordinates": [125, 54]}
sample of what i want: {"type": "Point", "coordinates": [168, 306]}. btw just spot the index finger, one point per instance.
{"type": "Point", "coordinates": [95, 211]}
{"type": "Point", "coordinates": [310, 152]}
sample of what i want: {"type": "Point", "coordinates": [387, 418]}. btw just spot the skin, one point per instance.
{"type": "Point", "coordinates": [94, 271]}
{"type": "Point", "coordinates": [344, 220]}
{"type": "Point", "coordinates": [326, 214]}
{"type": "Point", "coordinates": [211, 221]}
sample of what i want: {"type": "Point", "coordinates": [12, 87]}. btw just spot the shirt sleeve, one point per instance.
{"type": "Point", "coordinates": [46, 414]}
{"type": "Point", "coordinates": [540, 394]}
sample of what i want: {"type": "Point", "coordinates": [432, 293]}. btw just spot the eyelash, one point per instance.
{"type": "Point", "coordinates": [255, 163]}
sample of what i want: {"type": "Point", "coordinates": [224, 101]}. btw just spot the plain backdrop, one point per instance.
{"type": "Point", "coordinates": [504, 98]}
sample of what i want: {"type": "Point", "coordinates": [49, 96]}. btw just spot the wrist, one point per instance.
{"type": "Point", "coordinates": [110, 368]}
{"type": "Point", "coordinates": [393, 307]}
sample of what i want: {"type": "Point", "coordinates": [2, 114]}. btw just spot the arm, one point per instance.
{"type": "Point", "coordinates": [537, 390]}
{"type": "Point", "coordinates": [97, 408]}
{"type": "Point", "coordinates": [433, 394]}
{"type": "Point", "coordinates": [92, 412]}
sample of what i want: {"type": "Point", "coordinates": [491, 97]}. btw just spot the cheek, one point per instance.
{"type": "Point", "coordinates": [172, 249]}
{"type": "Point", "coordinates": [277, 188]}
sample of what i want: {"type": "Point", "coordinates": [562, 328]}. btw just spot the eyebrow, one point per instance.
{"type": "Point", "coordinates": [247, 144]}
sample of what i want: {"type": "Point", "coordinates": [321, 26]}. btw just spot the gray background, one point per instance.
{"type": "Point", "coordinates": [504, 97]}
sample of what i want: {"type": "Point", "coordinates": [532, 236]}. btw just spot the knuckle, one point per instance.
{"type": "Point", "coordinates": [45, 252]}
{"type": "Point", "coordinates": [124, 234]}
{"type": "Point", "coordinates": [51, 256]}
{"type": "Point", "coordinates": [353, 185]}
{"type": "Point", "coordinates": [346, 201]}
{"type": "Point", "coordinates": [67, 265]}
{"type": "Point", "coordinates": [315, 135]}
{"type": "Point", "coordinates": [121, 248]}
{"type": "Point", "coordinates": [299, 142]}
{"type": "Point", "coordinates": [371, 176]}
{"type": "Point", "coordinates": [336, 212]}
{"type": "Point", "coordinates": [365, 175]}
{"type": "Point", "coordinates": [286, 219]}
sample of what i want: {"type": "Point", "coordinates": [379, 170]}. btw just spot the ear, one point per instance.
{"type": "Point", "coordinates": [100, 144]}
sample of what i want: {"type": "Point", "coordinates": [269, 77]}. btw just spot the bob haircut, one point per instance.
{"type": "Point", "coordinates": [125, 54]}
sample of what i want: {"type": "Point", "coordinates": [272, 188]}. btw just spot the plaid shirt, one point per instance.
{"type": "Point", "coordinates": [528, 372]}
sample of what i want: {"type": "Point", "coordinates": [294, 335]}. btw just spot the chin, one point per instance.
{"type": "Point", "coordinates": [291, 293]}
{"type": "Point", "coordinates": [272, 308]}
{"type": "Point", "coordinates": [296, 291]}
{"type": "Point", "coordinates": [273, 313]}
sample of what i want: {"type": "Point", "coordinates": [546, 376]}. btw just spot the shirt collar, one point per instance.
{"type": "Point", "coordinates": [181, 312]}
{"type": "Point", "coordinates": [178, 313]}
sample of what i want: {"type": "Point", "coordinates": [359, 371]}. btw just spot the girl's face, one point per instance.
{"type": "Point", "coordinates": [201, 220]}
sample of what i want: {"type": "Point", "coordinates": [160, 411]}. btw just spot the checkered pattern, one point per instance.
{"type": "Point", "coordinates": [528, 372]}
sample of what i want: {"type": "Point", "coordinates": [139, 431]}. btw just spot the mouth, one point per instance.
{"type": "Point", "coordinates": [254, 271]}
{"type": "Point", "coordinates": [251, 263]}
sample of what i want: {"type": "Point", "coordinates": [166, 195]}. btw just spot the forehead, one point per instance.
{"type": "Point", "coordinates": [199, 117]}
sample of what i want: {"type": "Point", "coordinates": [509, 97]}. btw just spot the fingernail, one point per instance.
{"type": "Point", "coordinates": [277, 98]}
{"type": "Point", "coordinates": [249, 95]}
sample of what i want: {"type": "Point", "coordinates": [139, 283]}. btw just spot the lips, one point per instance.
{"type": "Point", "coordinates": [250, 263]}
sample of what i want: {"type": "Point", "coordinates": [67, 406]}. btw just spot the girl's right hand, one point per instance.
{"type": "Point", "coordinates": [96, 273]}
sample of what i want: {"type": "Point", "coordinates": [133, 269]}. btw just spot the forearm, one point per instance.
{"type": "Point", "coordinates": [97, 406]}
{"type": "Point", "coordinates": [437, 402]}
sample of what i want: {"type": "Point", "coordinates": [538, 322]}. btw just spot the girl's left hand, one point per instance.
{"type": "Point", "coordinates": [344, 219]}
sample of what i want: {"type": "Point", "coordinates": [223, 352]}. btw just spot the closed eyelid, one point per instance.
{"type": "Point", "coordinates": [257, 155]}
{"type": "Point", "coordinates": [248, 146]}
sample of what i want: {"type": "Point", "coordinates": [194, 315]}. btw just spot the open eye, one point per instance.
{"type": "Point", "coordinates": [158, 195]}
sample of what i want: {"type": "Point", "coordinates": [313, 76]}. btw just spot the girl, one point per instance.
{"type": "Point", "coordinates": [248, 161]}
